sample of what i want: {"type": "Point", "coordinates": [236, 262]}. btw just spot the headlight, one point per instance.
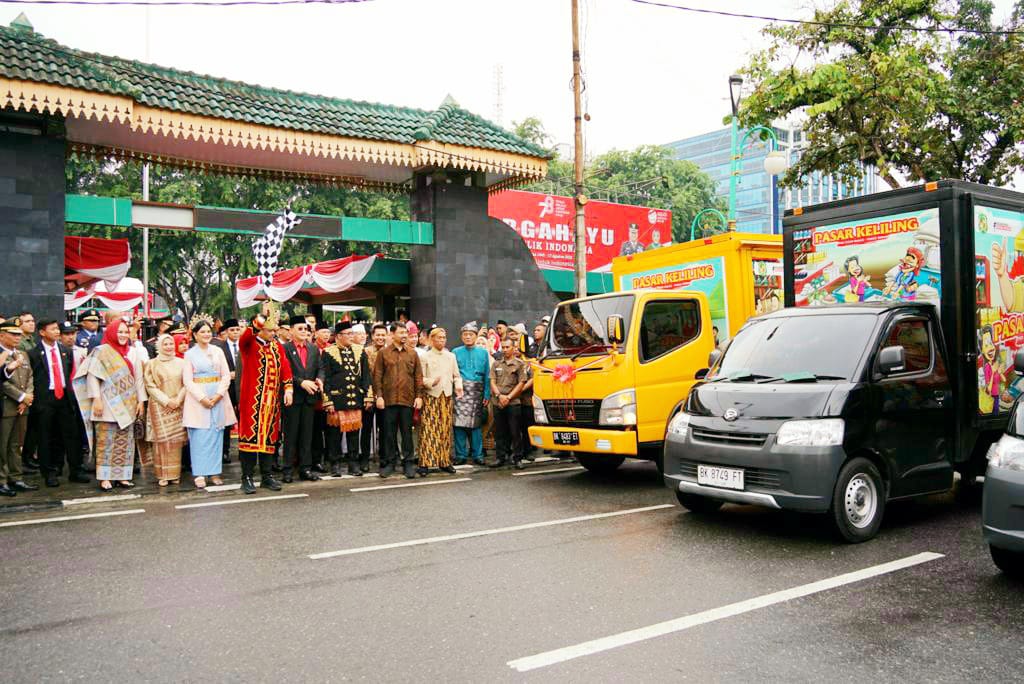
{"type": "Point", "coordinates": [680, 424]}
{"type": "Point", "coordinates": [1008, 452]}
{"type": "Point", "coordinates": [811, 433]}
{"type": "Point", "coordinates": [619, 408]}
{"type": "Point", "coordinates": [540, 416]}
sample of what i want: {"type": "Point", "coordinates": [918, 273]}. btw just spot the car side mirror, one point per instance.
{"type": "Point", "coordinates": [713, 358]}
{"type": "Point", "coordinates": [702, 373]}
{"type": "Point", "coordinates": [616, 329]}
{"type": "Point", "coordinates": [891, 360]}
{"type": "Point", "coordinates": [1018, 362]}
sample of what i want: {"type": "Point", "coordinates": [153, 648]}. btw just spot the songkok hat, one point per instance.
{"type": "Point", "coordinates": [501, 322]}
{"type": "Point", "coordinates": [471, 327]}
{"type": "Point", "coordinates": [359, 328]}
{"type": "Point", "coordinates": [297, 320]}
{"type": "Point", "coordinates": [90, 315]}
{"type": "Point", "coordinates": [230, 323]}
{"type": "Point", "coordinates": [342, 326]}
{"type": "Point", "coordinates": [322, 325]}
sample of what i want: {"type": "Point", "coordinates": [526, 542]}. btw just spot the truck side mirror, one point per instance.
{"type": "Point", "coordinates": [524, 345]}
{"type": "Point", "coordinates": [714, 357]}
{"type": "Point", "coordinates": [1018, 362]}
{"type": "Point", "coordinates": [616, 329]}
{"type": "Point", "coordinates": [890, 360]}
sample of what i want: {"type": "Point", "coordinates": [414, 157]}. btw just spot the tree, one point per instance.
{"type": "Point", "coordinates": [648, 176]}
{"type": "Point", "coordinates": [532, 130]}
{"type": "Point", "coordinates": [922, 104]}
{"type": "Point", "coordinates": [196, 271]}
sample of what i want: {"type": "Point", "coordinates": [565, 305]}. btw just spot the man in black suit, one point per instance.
{"type": "Point", "coordinates": [54, 406]}
{"type": "Point", "coordinates": [307, 378]}
{"type": "Point", "coordinates": [230, 333]}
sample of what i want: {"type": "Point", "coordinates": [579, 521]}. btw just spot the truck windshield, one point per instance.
{"type": "Point", "coordinates": [801, 347]}
{"type": "Point", "coordinates": [579, 326]}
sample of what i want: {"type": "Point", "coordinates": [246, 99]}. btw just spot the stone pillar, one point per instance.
{"type": "Point", "coordinates": [32, 216]}
{"type": "Point", "coordinates": [478, 268]}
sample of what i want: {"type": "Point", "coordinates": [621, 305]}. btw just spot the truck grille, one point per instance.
{"type": "Point", "coordinates": [751, 439]}
{"type": "Point", "coordinates": [573, 411]}
{"type": "Point", "coordinates": [759, 477]}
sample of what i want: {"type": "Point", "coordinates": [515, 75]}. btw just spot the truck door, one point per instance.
{"type": "Point", "coordinates": [914, 410]}
{"type": "Point", "coordinates": [668, 360]}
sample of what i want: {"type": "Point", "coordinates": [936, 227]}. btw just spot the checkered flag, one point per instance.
{"type": "Point", "coordinates": [267, 249]}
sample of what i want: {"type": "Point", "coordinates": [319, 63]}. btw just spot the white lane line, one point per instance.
{"type": "Point", "coordinates": [411, 484]}
{"type": "Point", "coordinates": [484, 533]}
{"type": "Point", "coordinates": [100, 499]}
{"type": "Point", "coordinates": [549, 470]}
{"type": "Point", "coordinates": [679, 624]}
{"type": "Point", "coordinates": [40, 521]}
{"type": "Point", "coordinates": [248, 499]}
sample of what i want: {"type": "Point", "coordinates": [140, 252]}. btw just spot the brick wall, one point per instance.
{"type": "Point", "coordinates": [478, 269]}
{"type": "Point", "coordinates": [32, 220]}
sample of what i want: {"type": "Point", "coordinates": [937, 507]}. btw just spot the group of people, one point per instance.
{"type": "Point", "coordinates": [304, 398]}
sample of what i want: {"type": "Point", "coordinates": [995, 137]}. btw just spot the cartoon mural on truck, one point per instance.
{"type": "Point", "coordinates": [999, 292]}
{"type": "Point", "coordinates": [893, 257]}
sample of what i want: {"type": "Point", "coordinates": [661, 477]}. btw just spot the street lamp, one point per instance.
{"type": "Point", "coordinates": [775, 162]}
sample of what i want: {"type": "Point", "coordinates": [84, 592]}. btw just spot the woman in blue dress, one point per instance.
{"type": "Point", "coordinates": [207, 410]}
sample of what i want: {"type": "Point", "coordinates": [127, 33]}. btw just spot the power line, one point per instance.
{"type": "Point", "coordinates": [830, 24]}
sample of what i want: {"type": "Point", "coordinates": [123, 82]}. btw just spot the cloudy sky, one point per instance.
{"type": "Point", "coordinates": [653, 75]}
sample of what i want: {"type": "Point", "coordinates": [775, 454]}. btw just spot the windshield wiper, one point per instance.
{"type": "Point", "coordinates": [803, 376]}
{"type": "Point", "coordinates": [738, 376]}
{"type": "Point", "coordinates": [592, 345]}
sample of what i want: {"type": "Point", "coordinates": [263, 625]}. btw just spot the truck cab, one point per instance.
{"type": "Point", "coordinates": [616, 367]}
{"type": "Point", "coordinates": [835, 409]}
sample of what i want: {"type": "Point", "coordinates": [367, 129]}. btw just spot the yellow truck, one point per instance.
{"type": "Point", "coordinates": [616, 368]}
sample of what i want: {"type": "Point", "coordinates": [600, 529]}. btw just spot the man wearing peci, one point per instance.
{"type": "Point", "coordinates": [304, 358]}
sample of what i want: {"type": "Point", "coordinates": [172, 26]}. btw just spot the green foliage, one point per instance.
{"type": "Point", "coordinates": [648, 176]}
{"type": "Point", "coordinates": [196, 271]}
{"type": "Point", "coordinates": [532, 130]}
{"type": "Point", "coordinates": [916, 104]}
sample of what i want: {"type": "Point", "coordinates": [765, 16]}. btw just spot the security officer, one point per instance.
{"type": "Point", "coordinates": [508, 377]}
{"type": "Point", "coordinates": [88, 338]}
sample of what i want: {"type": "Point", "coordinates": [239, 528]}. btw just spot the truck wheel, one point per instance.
{"type": "Point", "coordinates": [599, 463]}
{"type": "Point", "coordinates": [698, 504]}
{"type": "Point", "coordinates": [858, 501]}
{"type": "Point", "coordinates": [1010, 562]}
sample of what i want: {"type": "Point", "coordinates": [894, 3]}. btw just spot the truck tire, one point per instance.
{"type": "Point", "coordinates": [599, 463]}
{"type": "Point", "coordinates": [858, 502]}
{"type": "Point", "coordinates": [1010, 562]}
{"type": "Point", "coordinates": [698, 504]}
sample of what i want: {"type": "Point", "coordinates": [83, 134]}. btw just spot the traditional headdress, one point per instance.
{"type": "Point", "coordinates": [270, 321]}
{"type": "Point", "coordinates": [471, 327]}
{"type": "Point", "coordinates": [200, 318]}
{"type": "Point", "coordinates": [342, 326]}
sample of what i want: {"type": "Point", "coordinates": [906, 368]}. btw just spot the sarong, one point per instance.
{"type": "Point", "coordinates": [346, 420]}
{"type": "Point", "coordinates": [469, 410]}
{"type": "Point", "coordinates": [435, 432]}
{"type": "Point", "coordinates": [167, 435]}
{"type": "Point", "coordinates": [205, 446]}
{"type": "Point", "coordinates": [167, 460]}
{"type": "Point", "coordinates": [115, 451]}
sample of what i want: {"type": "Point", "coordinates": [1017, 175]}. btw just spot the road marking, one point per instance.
{"type": "Point", "coordinates": [100, 499]}
{"type": "Point", "coordinates": [411, 484]}
{"type": "Point", "coordinates": [223, 488]}
{"type": "Point", "coordinates": [484, 533]}
{"type": "Point", "coordinates": [247, 499]}
{"type": "Point", "coordinates": [40, 521]}
{"type": "Point", "coordinates": [550, 470]}
{"type": "Point", "coordinates": [607, 643]}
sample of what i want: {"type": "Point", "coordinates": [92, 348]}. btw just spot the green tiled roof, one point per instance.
{"type": "Point", "coordinates": [29, 56]}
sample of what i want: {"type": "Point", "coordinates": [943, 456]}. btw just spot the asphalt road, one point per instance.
{"type": "Point", "coordinates": [231, 593]}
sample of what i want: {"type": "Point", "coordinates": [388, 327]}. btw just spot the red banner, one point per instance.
{"type": "Point", "coordinates": [545, 222]}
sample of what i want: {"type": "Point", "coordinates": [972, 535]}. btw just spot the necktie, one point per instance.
{"type": "Point", "coordinates": [55, 371]}
{"type": "Point", "coordinates": [234, 353]}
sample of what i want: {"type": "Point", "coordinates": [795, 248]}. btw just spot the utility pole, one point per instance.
{"type": "Point", "coordinates": [581, 229]}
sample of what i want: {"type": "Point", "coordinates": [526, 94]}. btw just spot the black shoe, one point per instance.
{"type": "Point", "coordinates": [320, 468]}
{"type": "Point", "coordinates": [52, 481]}
{"type": "Point", "coordinates": [449, 469]}
{"type": "Point", "coordinates": [308, 475]}
{"type": "Point", "coordinates": [270, 483]}
{"type": "Point", "coordinates": [287, 477]}
{"type": "Point", "coordinates": [421, 471]}
{"type": "Point", "coordinates": [79, 477]}
{"type": "Point", "coordinates": [353, 469]}
{"type": "Point", "coordinates": [336, 469]}
{"type": "Point", "coordinates": [22, 486]}
{"type": "Point", "coordinates": [386, 471]}
{"type": "Point", "coordinates": [519, 465]}
{"type": "Point", "coordinates": [7, 491]}
{"type": "Point", "coordinates": [529, 457]}
{"type": "Point", "coordinates": [479, 462]}
{"type": "Point", "coordinates": [248, 486]}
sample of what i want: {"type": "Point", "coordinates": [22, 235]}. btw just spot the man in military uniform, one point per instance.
{"type": "Point", "coordinates": [17, 398]}
{"type": "Point", "coordinates": [346, 374]}
{"type": "Point", "coordinates": [88, 337]}
{"type": "Point", "coordinates": [508, 377]}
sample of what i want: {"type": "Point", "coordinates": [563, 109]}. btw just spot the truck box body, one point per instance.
{"type": "Point", "coordinates": [957, 245]}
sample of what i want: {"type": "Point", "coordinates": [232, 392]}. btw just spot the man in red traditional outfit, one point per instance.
{"type": "Point", "coordinates": [266, 374]}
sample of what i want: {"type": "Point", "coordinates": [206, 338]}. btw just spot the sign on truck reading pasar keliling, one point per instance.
{"type": "Point", "coordinates": [545, 222]}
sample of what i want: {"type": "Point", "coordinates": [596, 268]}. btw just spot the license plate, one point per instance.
{"type": "Point", "coordinates": [714, 476]}
{"type": "Point", "coordinates": [566, 438]}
